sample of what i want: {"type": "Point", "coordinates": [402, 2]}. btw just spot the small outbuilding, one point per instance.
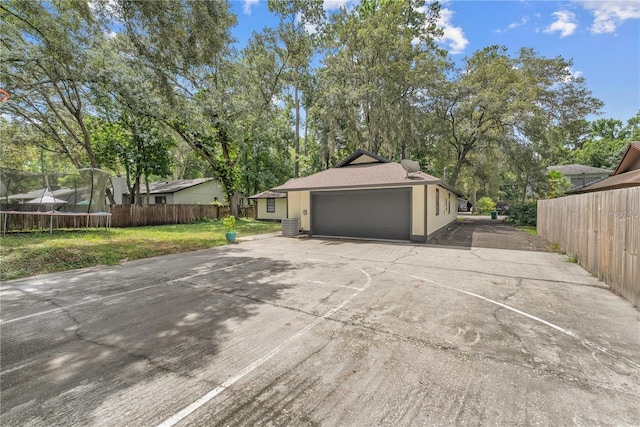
{"type": "Point", "coordinates": [367, 196]}
{"type": "Point", "coordinates": [270, 205]}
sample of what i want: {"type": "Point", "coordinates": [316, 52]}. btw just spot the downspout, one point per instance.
{"type": "Point", "coordinates": [426, 212]}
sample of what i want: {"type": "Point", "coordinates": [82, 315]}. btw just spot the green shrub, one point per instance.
{"type": "Point", "coordinates": [229, 223]}
{"type": "Point", "coordinates": [486, 205]}
{"type": "Point", "coordinates": [523, 213]}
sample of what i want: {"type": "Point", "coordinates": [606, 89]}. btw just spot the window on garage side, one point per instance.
{"type": "Point", "coordinates": [161, 200]}
{"type": "Point", "coordinates": [446, 203]}
{"type": "Point", "coordinates": [271, 205]}
{"type": "Point", "coordinates": [437, 201]}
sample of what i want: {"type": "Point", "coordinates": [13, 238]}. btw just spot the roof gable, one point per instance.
{"type": "Point", "coordinates": [630, 160]}
{"type": "Point", "coordinates": [360, 157]}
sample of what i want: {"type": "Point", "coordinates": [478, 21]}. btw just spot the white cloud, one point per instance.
{"type": "Point", "coordinates": [513, 25]}
{"type": "Point", "coordinates": [519, 24]}
{"type": "Point", "coordinates": [248, 4]}
{"type": "Point", "coordinates": [452, 36]}
{"type": "Point", "coordinates": [573, 74]}
{"type": "Point", "coordinates": [564, 24]}
{"type": "Point", "coordinates": [336, 4]}
{"type": "Point", "coordinates": [609, 15]}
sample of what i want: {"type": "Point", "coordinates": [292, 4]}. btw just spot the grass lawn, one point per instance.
{"type": "Point", "coordinates": [530, 229]}
{"type": "Point", "coordinates": [33, 253]}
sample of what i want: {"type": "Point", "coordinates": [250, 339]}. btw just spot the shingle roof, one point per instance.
{"type": "Point", "coordinates": [627, 174]}
{"type": "Point", "coordinates": [575, 169]}
{"type": "Point", "coordinates": [269, 194]}
{"type": "Point", "coordinates": [360, 176]}
{"type": "Point", "coordinates": [39, 193]}
{"type": "Point", "coordinates": [172, 186]}
{"type": "Point", "coordinates": [627, 179]}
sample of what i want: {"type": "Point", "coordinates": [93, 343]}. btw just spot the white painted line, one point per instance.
{"type": "Point", "coordinates": [336, 286]}
{"type": "Point", "coordinates": [17, 368]}
{"type": "Point", "coordinates": [209, 272]}
{"type": "Point", "coordinates": [55, 310]}
{"type": "Point", "coordinates": [530, 316]}
{"type": "Point", "coordinates": [176, 418]}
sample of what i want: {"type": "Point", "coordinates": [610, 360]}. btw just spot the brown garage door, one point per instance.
{"type": "Point", "coordinates": [374, 214]}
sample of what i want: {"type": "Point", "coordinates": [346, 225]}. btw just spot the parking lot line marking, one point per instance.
{"type": "Point", "coordinates": [335, 286]}
{"type": "Point", "coordinates": [55, 310]}
{"type": "Point", "coordinates": [188, 410]}
{"type": "Point", "coordinates": [530, 316]}
{"type": "Point", "coordinates": [209, 271]}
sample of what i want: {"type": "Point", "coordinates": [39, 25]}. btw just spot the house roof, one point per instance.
{"type": "Point", "coordinates": [575, 169]}
{"type": "Point", "coordinates": [63, 191]}
{"type": "Point", "coordinates": [627, 179]}
{"type": "Point", "coordinates": [630, 159]}
{"type": "Point", "coordinates": [163, 187]}
{"type": "Point", "coordinates": [361, 156]}
{"type": "Point", "coordinates": [362, 170]}
{"type": "Point", "coordinates": [269, 194]}
{"type": "Point", "coordinates": [627, 174]}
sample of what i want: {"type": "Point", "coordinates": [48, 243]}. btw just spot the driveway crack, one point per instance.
{"type": "Point", "coordinates": [154, 363]}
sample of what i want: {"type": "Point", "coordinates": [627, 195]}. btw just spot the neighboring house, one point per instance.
{"type": "Point", "coordinates": [201, 191]}
{"type": "Point", "coordinates": [62, 193]}
{"type": "Point", "coordinates": [580, 175]}
{"type": "Point", "coordinates": [270, 205]}
{"type": "Point", "coordinates": [627, 174]}
{"type": "Point", "coordinates": [367, 196]}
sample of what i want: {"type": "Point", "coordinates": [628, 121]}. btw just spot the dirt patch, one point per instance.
{"type": "Point", "coordinates": [482, 232]}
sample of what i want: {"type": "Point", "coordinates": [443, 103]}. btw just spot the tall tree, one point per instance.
{"type": "Point", "coordinates": [369, 77]}
{"type": "Point", "coordinates": [606, 139]}
{"type": "Point", "coordinates": [299, 22]}
{"type": "Point", "coordinates": [210, 96]}
{"type": "Point", "coordinates": [139, 145]}
{"type": "Point", "coordinates": [49, 51]}
{"type": "Point", "coordinates": [496, 99]}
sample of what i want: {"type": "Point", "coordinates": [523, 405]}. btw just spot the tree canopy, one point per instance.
{"type": "Point", "coordinates": [162, 90]}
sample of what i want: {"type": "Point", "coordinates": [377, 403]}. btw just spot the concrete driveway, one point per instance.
{"type": "Point", "coordinates": [311, 332]}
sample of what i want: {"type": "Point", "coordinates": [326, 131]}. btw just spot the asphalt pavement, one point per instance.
{"type": "Point", "coordinates": [286, 331]}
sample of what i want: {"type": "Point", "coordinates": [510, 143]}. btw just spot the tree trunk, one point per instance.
{"type": "Point", "coordinates": [296, 167]}
{"type": "Point", "coordinates": [473, 208]}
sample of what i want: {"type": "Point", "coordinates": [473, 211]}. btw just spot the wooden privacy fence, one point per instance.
{"type": "Point", "coordinates": [121, 216]}
{"type": "Point", "coordinates": [602, 229]}
{"type": "Point", "coordinates": [140, 215]}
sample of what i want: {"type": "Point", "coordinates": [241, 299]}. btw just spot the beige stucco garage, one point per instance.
{"type": "Point", "coordinates": [367, 196]}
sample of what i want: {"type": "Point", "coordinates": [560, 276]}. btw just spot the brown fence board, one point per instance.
{"type": "Point", "coordinates": [127, 216]}
{"type": "Point", "coordinates": [141, 215]}
{"type": "Point", "coordinates": [602, 229]}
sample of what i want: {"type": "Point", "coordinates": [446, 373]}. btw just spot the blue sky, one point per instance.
{"type": "Point", "coordinates": [601, 37]}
